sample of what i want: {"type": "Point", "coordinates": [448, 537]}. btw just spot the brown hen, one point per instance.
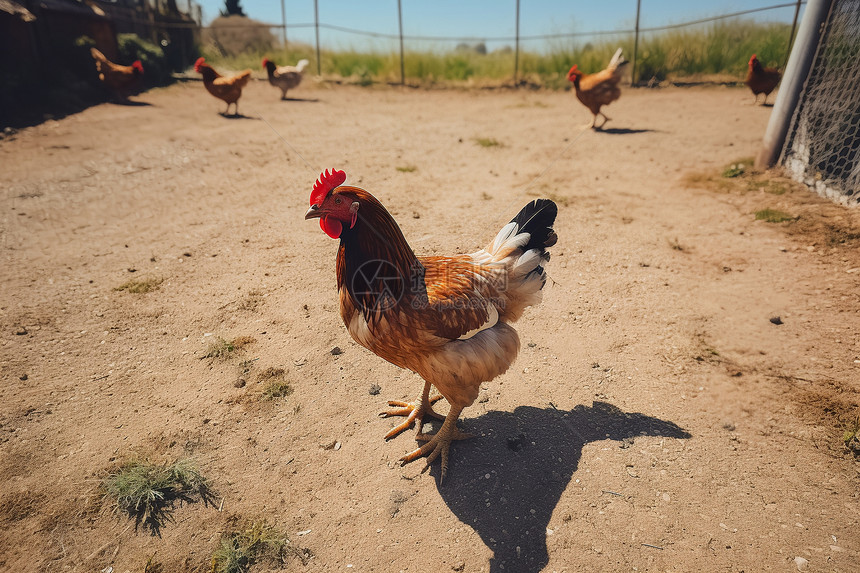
{"type": "Point", "coordinates": [120, 79]}
{"type": "Point", "coordinates": [228, 89]}
{"type": "Point", "coordinates": [761, 80]}
{"type": "Point", "coordinates": [600, 89]}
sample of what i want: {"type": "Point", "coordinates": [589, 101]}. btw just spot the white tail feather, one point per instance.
{"type": "Point", "coordinates": [616, 59]}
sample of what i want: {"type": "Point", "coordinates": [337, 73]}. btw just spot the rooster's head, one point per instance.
{"type": "Point", "coordinates": [198, 65]}
{"type": "Point", "coordinates": [333, 208]}
{"type": "Point", "coordinates": [137, 66]}
{"type": "Point", "coordinates": [753, 60]}
{"type": "Point", "coordinates": [574, 74]}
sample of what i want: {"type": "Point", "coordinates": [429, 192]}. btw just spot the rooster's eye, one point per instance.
{"type": "Point", "coordinates": [337, 201]}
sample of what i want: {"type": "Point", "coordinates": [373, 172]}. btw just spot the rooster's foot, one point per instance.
{"type": "Point", "coordinates": [437, 444]}
{"type": "Point", "coordinates": [412, 412]}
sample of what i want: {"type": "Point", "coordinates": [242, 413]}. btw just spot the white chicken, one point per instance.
{"type": "Point", "coordinates": [284, 77]}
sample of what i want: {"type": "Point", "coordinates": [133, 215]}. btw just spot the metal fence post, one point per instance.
{"type": "Point", "coordinates": [284, 25]}
{"type": "Point", "coordinates": [317, 26]}
{"type": "Point", "coordinates": [635, 45]}
{"type": "Point", "coordinates": [791, 36]}
{"type": "Point", "coordinates": [796, 72]}
{"type": "Point", "coordinates": [400, 23]}
{"type": "Point", "coordinates": [517, 47]}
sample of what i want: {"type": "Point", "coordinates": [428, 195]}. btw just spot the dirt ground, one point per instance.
{"type": "Point", "coordinates": [656, 419]}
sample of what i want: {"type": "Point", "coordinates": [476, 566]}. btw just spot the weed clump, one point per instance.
{"type": "Point", "coordinates": [256, 542]}
{"type": "Point", "coordinates": [147, 491]}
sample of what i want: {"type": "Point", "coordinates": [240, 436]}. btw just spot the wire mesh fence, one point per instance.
{"type": "Point", "coordinates": [645, 45]}
{"type": "Point", "coordinates": [822, 149]}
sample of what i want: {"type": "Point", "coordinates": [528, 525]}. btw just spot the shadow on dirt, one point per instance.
{"type": "Point", "coordinates": [130, 103]}
{"type": "Point", "coordinates": [506, 483]}
{"type": "Point", "coordinates": [301, 99]}
{"type": "Point", "coordinates": [623, 131]}
{"type": "Point", "coordinates": [237, 116]}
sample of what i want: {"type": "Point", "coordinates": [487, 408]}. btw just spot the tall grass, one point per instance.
{"type": "Point", "coordinates": [719, 51]}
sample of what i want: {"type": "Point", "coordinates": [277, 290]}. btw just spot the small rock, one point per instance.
{"type": "Point", "coordinates": [801, 563]}
{"type": "Point", "coordinates": [23, 377]}
{"type": "Point", "coordinates": [239, 383]}
{"type": "Point", "coordinates": [21, 331]}
{"type": "Point", "coordinates": [336, 351]}
{"type": "Point", "coordinates": [532, 344]}
{"type": "Point", "coordinates": [459, 566]}
{"type": "Point", "coordinates": [375, 389]}
{"type": "Point", "coordinates": [776, 320]}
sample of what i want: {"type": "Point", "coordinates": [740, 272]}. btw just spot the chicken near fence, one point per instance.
{"type": "Point", "coordinates": [446, 318]}
{"type": "Point", "coordinates": [284, 77]}
{"type": "Point", "coordinates": [761, 80]}
{"type": "Point", "coordinates": [226, 88]}
{"type": "Point", "coordinates": [599, 89]}
{"type": "Point", "coordinates": [120, 79]}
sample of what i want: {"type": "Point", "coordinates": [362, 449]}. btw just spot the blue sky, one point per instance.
{"type": "Point", "coordinates": [483, 18]}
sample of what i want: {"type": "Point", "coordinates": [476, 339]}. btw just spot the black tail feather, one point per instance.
{"type": "Point", "coordinates": [537, 219]}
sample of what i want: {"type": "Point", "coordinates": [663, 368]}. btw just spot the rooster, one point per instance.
{"type": "Point", "coordinates": [445, 318]}
{"type": "Point", "coordinates": [284, 77]}
{"type": "Point", "coordinates": [761, 80]}
{"type": "Point", "coordinates": [228, 89]}
{"type": "Point", "coordinates": [120, 79]}
{"type": "Point", "coordinates": [597, 90]}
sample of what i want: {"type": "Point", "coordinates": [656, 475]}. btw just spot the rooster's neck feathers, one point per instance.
{"type": "Point", "coordinates": [374, 260]}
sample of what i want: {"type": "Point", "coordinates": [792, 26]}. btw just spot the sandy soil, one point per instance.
{"type": "Point", "coordinates": [655, 420]}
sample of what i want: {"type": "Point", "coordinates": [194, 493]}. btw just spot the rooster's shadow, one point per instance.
{"type": "Point", "coordinates": [506, 482]}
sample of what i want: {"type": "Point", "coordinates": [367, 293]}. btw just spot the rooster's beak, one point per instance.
{"type": "Point", "coordinates": [313, 213]}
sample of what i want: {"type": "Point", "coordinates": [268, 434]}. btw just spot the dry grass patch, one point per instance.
{"type": "Point", "coordinates": [487, 142]}
{"type": "Point", "coordinates": [222, 348]}
{"type": "Point", "coordinates": [773, 216]}
{"type": "Point", "coordinates": [772, 197]}
{"type": "Point", "coordinates": [140, 286]}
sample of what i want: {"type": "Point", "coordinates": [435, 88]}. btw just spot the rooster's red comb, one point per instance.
{"type": "Point", "coordinates": [326, 182]}
{"type": "Point", "coordinates": [198, 64]}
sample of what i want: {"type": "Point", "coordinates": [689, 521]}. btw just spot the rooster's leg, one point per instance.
{"type": "Point", "coordinates": [605, 119]}
{"type": "Point", "coordinates": [412, 411]}
{"type": "Point", "coordinates": [440, 442]}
